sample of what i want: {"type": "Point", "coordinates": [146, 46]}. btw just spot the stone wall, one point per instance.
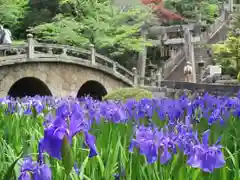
{"type": "Point", "coordinates": [172, 88]}
{"type": "Point", "coordinates": [62, 79]}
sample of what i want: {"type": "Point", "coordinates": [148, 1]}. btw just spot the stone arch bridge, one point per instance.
{"type": "Point", "coordinates": [58, 70]}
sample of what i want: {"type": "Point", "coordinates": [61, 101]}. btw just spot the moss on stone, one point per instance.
{"type": "Point", "coordinates": [128, 93]}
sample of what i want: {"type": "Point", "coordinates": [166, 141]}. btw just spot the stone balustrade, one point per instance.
{"type": "Point", "coordinates": [36, 51]}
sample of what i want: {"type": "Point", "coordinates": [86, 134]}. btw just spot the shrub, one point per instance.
{"type": "Point", "coordinates": [128, 93]}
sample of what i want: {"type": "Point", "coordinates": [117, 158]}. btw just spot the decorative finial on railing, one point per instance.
{"type": "Point", "coordinates": [134, 70]}
{"type": "Point", "coordinates": [30, 41]}
{"type": "Point", "coordinates": [93, 56]}
{"type": "Point", "coordinates": [29, 35]}
{"type": "Point", "coordinates": [135, 76]}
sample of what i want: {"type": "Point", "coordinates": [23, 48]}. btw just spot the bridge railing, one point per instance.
{"type": "Point", "coordinates": [10, 50]}
{"type": "Point", "coordinates": [33, 50]}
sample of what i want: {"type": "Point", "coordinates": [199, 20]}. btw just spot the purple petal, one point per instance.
{"type": "Point", "coordinates": [165, 156]}
{"type": "Point", "coordinates": [43, 172]}
{"type": "Point", "coordinates": [90, 140]}
{"type": "Point", "coordinates": [205, 137]}
{"type": "Point", "coordinates": [52, 141]}
{"type": "Point", "coordinates": [25, 176]}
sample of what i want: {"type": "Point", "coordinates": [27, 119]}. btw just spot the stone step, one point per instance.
{"type": "Point", "coordinates": [159, 95]}
{"type": "Point", "coordinates": [219, 35]}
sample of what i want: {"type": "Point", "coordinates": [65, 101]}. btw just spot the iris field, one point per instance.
{"type": "Point", "coordinates": [44, 138]}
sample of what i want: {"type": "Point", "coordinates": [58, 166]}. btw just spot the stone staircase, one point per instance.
{"type": "Point", "coordinates": [173, 68]}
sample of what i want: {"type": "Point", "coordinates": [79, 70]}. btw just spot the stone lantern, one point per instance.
{"type": "Point", "coordinates": [237, 32]}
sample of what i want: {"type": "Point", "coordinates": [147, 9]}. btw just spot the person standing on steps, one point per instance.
{"type": "Point", "coordinates": [188, 72]}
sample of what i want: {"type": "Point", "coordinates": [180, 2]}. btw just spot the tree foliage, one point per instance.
{"type": "Point", "coordinates": [227, 53]}
{"type": "Point", "coordinates": [207, 10]}
{"type": "Point", "coordinates": [12, 13]}
{"type": "Point", "coordinates": [98, 23]}
{"type": "Point", "coordinates": [82, 22]}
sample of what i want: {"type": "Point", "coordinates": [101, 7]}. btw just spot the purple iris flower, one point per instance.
{"type": "Point", "coordinates": [206, 157]}
{"type": "Point", "coordinates": [76, 168]}
{"type": "Point", "coordinates": [33, 170]}
{"type": "Point", "coordinates": [38, 105]}
{"type": "Point", "coordinates": [25, 176]}
{"type": "Point", "coordinates": [113, 112]}
{"type": "Point", "coordinates": [150, 143]}
{"type": "Point", "coordinates": [42, 172]}
{"type": "Point", "coordinates": [145, 108]}
{"type": "Point", "coordinates": [68, 122]}
{"type": "Point", "coordinates": [215, 116]}
{"type": "Point", "coordinates": [28, 110]}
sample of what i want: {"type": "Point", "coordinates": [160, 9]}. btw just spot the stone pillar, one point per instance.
{"type": "Point", "coordinates": [1, 53]}
{"type": "Point", "coordinates": [115, 67]}
{"type": "Point", "coordinates": [93, 57]}
{"type": "Point", "coordinates": [172, 53]}
{"type": "Point", "coordinates": [152, 77]}
{"type": "Point", "coordinates": [221, 7]}
{"type": "Point", "coordinates": [199, 15]}
{"type": "Point", "coordinates": [135, 76]}
{"type": "Point", "coordinates": [142, 59]}
{"type": "Point", "coordinates": [30, 52]}
{"type": "Point", "coordinates": [50, 50]}
{"type": "Point", "coordinates": [201, 67]}
{"type": "Point", "coordinates": [165, 37]}
{"type": "Point", "coordinates": [230, 5]}
{"type": "Point", "coordinates": [159, 77]}
{"type": "Point", "coordinates": [189, 52]}
{"type": "Point", "coordinates": [226, 14]}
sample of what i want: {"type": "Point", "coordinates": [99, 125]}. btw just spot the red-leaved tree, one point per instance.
{"type": "Point", "coordinates": [159, 9]}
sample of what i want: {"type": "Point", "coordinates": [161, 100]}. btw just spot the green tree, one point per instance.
{"type": "Point", "coordinates": [193, 9]}
{"type": "Point", "coordinates": [40, 11]}
{"type": "Point", "coordinates": [114, 33]}
{"type": "Point", "coordinates": [227, 53]}
{"type": "Point", "coordinates": [12, 13]}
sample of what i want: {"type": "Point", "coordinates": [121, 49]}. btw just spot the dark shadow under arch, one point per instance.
{"type": "Point", "coordinates": [92, 88]}
{"type": "Point", "coordinates": [29, 86]}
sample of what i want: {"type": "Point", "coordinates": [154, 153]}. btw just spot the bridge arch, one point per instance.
{"type": "Point", "coordinates": [92, 88]}
{"type": "Point", "coordinates": [29, 86]}
{"type": "Point", "coordinates": [62, 68]}
{"type": "Point", "coordinates": [62, 78]}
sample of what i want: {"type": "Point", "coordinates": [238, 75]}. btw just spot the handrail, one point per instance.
{"type": "Point", "coordinates": [60, 46]}
{"type": "Point", "coordinates": [5, 47]}
{"type": "Point", "coordinates": [172, 61]}
{"type": "Point", "coordinates": [214, 28]}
